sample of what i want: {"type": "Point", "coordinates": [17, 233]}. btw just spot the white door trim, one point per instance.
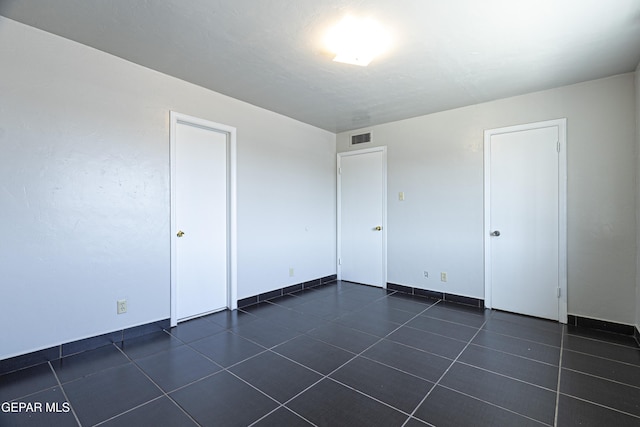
{"type": "Point", "coordinates": [232, 268]}
{"type": "Point", "coordinates": [562, 204]}
{"type": "Point", "coordinates": [382, 149]}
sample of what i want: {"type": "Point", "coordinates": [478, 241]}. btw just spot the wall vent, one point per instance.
{"type": "Point", "coordinates": [361, 138]}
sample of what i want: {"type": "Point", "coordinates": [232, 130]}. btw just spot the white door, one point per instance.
{"type": "Point", "coordinates": [200, 185]}
{"type": "Point", "coordinates": [361, 206]}
{"type": "Point", "coordinates": [525, 231]}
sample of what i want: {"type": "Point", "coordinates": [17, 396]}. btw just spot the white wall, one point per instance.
{"type": "Point", "coordinates": [437, 160]}
{"type": "Point", "coordinates": [84, 190]}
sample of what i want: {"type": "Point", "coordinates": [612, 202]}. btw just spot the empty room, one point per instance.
{"type": "Point", "coordinates": [320, 213]}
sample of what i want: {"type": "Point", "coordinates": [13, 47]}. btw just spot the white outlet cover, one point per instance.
{"type": "Point", "coordinates": [122, 306]}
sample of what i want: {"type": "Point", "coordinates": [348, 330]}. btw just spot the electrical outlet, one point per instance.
{"type": "Point", "coordinates": [122, 306]}
{"type": "Point", "coordinates": [290, 271]}
{"type": "Point", "coordinates": [426, 274]}
{"type": "Point", "coordinates": [443, 277]}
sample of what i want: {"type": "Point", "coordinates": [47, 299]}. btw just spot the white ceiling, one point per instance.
{"type": "Point", "coordinates": [444, 54]}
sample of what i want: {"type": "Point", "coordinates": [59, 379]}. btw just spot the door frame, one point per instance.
{"type": "Point", "coordinates": [561, 124]}
{"type": "Point", "coordinates": [232, 264]}
{"type": "Point", "coordinates": [382, 149]}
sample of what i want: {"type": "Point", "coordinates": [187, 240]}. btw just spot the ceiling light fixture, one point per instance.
{"type": "Point", "coordinates": [357, 41]}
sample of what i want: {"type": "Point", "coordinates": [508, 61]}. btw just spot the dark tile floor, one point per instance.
{"type": "Point", "coordinates": [342, 355]}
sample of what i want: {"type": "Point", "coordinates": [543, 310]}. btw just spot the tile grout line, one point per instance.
{"type": "Point", "coordinates": [494, 405]}
{"type": "Point", "coordinates": [633, 365]}
{"type": "Point", "coordinates": [521, 339]}
{"type": "Point", "coordinates": [163, 393]}
{"type": "Point", "coordinates": [506, 376]}
{"type": "Point", "coordinates": [601, 405]}
{"type": "Point", "coordinates": [604, 341]}
{"type": "Point", "coordinates": [128, 410]}
{"type": "Point", "coordinates": [555, 416]}
{"type": "Point", "coordinates": [286, 408]}
{"type": "Point", "coordinates": [588, 374]}
{"type": "Point", "coordinates": [515, 355]}
{"type": "Point", "coordinates": [64, 393]}
{"type": "Point", "coordinates": [226, 369]}
{"type": "Point", "coordinates": [443, 374]}
{"type": "Point", "coordinates": [326, 376]}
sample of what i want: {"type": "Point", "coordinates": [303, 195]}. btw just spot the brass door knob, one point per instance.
{"type": "Point", "coordinates": [378, 228]}
{"type": "Point", "coordinates": [180, 233]}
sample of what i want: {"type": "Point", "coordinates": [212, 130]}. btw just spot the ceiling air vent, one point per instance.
{"type": "Point", "coordinates": [361, 138]}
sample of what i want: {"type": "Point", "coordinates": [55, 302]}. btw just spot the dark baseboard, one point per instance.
{"type": "Point", "coordinates": [602, 325]}
{"type": "Point", "coordinates": [458, 299]}
{"type": "Point", "coordinates": [255, 299]}
{"type": "Point", "coordinates": [74, 347]}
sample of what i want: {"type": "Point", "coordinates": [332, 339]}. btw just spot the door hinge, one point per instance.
{"type": "Point", "coordinates": [558, 146]}
{"type": "Point", "coordinates": [559, 292]}
{"type": "Point", "coordinates": [339, 261]}
{"type": "Point", "coordinates": [339, 171]}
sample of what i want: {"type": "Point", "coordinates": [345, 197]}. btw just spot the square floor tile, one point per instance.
{"type": "Point", "coordinates": [340, 303]}
{"type": "Point", "coordinates": [364, 297]}
{"type": "Point", "coordinates": [230, 318]}
{"type": "Point", "coordinates": [26, 381]}
{"type": "Point", "coordinates": [276, 376]}
{"type": "Point", "coordinates": [522, 398]}
{"type": "Point", "coordinates": [79, 365]}
{"type": "Point", "coordinates": [289, 300]}
{"type": "Point", "coordinates": [436, 344]}
{"type": "Point", "coordinates": [331, 404]}
{"type": "Point", "coordinates": [282, 417]}
{"type": "Point", "coordinates": [410, 303]}
{"type": "Point", "coordinates": [324, 311]}
{"type": "Point", "coordinates": [598, 390]}
{"type": "Point", "coordinates": [382, 311]}
{"type": "Point", "coordinates": [227, 348]}
{"type": "Point", "coordinates": [265, 332]}
{"type": "Point", "coordinates": [603, 349]}
{"type": "Point", "coordinates": [462, 315]}
{"type": "Point", "coordinates": [443, 327]}
{"type": "Point", "coordinates": [576, 412]}
{"type": "Point", "coordinates": [110, 392]}
{"type": "Point", "coordinates": [532, 350]}
{"type": "Point", "coordinates": [296, 321]}
{"type": "Point", "coordinates": [195, 329]}
{"type": "Point", "coordinates": [524, 332]}
{"type": "Point", "coordinates": [534, 323]}
{"type": "Point", "coordinates": [448, 408]}
{"type": "Point", "coordinates": [417, 362]}
{"type": "Point", "coordinates": [48, 408]}
{"type": "Point", "coordinates": [389, 385]}
{"type": "Point", "coordinates": [526, 370]}
{"type": "Point", "coordinates": [314, 354]}
{"type": "Point", "coordinates": [147, 345]}
{"type": "Point", "coordinates": [380, 327]}
{"type": "Point", "coordinates": [265, 310]}
{"type": "Point", "coordinates": [343, 337]}
{"type": "Point", "coordinates": [414, 422]}
{"type": "Point", "coordinates": [613, 338]}
{"type": "Point", "coordinates": [177, 367]}
{"type": "Point", "coordinates": [223, 400]}
{"type": "Point", "coordinates": [160, 412]}
{"type": "Point", "coordinates": [605, 368]}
